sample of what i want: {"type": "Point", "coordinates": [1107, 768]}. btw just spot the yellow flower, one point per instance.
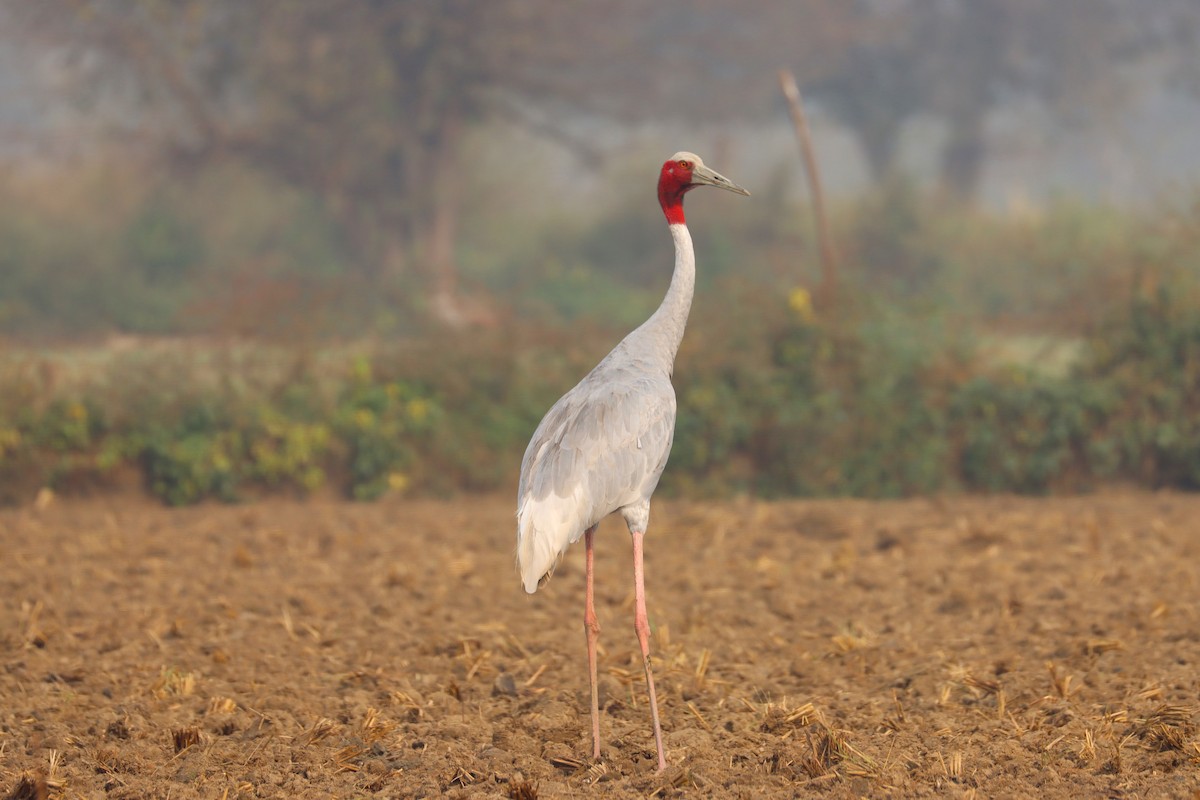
{"type": "Point", "coordinates": [397, 481]}
{"type": "Point", "coordinates": [418, 409]}
{"type": "Point", "coordinates": [800, 301]}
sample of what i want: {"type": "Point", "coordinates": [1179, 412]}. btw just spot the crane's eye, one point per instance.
{"type": "Point", "coordinates": [685, 165]}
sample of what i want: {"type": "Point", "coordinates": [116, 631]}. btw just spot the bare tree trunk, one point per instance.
{"type": "Point", "coordinates": [446, 202]}
{"type": "Point", "coordinates": [450, 306]}
{"type": "Point", "coordinates": [827, 291]}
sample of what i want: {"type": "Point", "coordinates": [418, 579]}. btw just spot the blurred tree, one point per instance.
{"type": "Point", "coordinates": [959, 59]}
{"type": "Point", "coordinates": [365, 103]}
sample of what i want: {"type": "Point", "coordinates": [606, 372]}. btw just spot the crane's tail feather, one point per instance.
{"type": "Point", "coordinates": [537, 556]}
{"type": "Point", "coordinates": [545, 529]}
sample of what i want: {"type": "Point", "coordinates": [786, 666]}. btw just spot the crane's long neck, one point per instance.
{"type": "Point", "coordinates": [661, 335]}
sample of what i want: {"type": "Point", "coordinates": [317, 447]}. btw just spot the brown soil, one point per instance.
{"type": "Point", "coordinates": [950, 648]}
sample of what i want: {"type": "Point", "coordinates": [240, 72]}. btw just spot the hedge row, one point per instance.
{"type": "Point", "coordinates": [770, 402]}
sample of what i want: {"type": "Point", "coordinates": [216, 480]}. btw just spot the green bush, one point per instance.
{"type": "Point", "coordinates": [286, 453]}
{"type": "Point", "coordinates": [1151, 361]}
{"type": "Point", "coordinates": [855, 412]}
{"type": "Point", "coordinates": [191, 467]}
{"type": "Point", "coordinates": [1030, 434]}
{"type": "Point", "coordinates": [162, 244]}
{"type": "Point", "coordinates": [195, 458]}
{"type": "Point", "coordinates": [878, 405]}
{"type": "Point", "coordinates": [377, 422]}
{"type": "Point", "coordinates": [926, 377]}
{"type": "Point", "coordinates": [65, 425]}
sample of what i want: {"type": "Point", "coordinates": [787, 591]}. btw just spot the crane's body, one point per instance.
{"type": "Point", "coordinates": [603, 446]}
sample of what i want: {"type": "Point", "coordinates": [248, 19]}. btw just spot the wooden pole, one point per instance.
{"type": "Point", "coordinates": [827, 291]}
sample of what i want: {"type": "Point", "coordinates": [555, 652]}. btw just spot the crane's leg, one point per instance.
{"type": "Point", "coordinates": [641, 624]}
{"type": "Point", "coordinates": [592, 628]}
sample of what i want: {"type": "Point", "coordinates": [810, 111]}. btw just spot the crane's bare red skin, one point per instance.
{"type": "Point", "coordinates": [674, 182]}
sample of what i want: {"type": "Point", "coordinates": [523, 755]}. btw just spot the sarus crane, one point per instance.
{"type": "Point", "coordinates": [603, 446]}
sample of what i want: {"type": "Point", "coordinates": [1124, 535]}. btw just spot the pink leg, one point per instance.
{"type": "Point", "coordinates": [592, 628]}
{"type": "Point", "coordinates": [642, 625]}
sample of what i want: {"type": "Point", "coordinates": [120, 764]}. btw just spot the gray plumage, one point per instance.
{"type": "Point", "coordinates": [603, 446]}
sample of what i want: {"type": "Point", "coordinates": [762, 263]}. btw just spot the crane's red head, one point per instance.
{"type": "Point", "coordinates": [681, 173]}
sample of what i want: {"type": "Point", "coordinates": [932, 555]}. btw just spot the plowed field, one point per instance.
{"type": "Point", "coordinates": [959, 647]}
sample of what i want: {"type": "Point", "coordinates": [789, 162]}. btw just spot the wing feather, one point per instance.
{"type": "Point", "coordinates": [603, 446]}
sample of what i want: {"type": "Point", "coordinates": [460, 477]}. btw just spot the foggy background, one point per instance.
{"type": "Point", "coordinates": [409, 144]}
{"type": "Point", "coordinates": [366, 244]}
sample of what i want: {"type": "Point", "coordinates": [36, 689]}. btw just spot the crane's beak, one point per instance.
{"type": "Point", "coordinates": [703, 176]}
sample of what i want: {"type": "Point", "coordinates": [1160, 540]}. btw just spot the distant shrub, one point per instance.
{"type": "Point", "coordinates": [193, 466]}
{"type": "Point", "coordinates": [1151, 361]}
{"type": "Point", "coordinates": [378, 423]}
{"type": "Point", "coordinates": [892, 238]}
{"type": "Point", "coordinates": [64, 425]}
{"type": "Point", "coordinates": [878, 405]}
{"type": "Point", "coordinates": [849, 412]}
{"type": "Point", "coordinates": [286, 453]}
{"type": "Point", "coordinates": [1030, 434]}
{"type": "Point", "coordinates": [162, 244]}
{"type": "Point", "coordinates": [194, 457]}
{"type": "Point", "coordinates": [891, 394]}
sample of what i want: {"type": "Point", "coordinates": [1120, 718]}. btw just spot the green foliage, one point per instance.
{"type": "Point", "coordinates": [189, 467]}
{"type": "Point", "coordinates": [194, 458]}
{"type": "Point", "coordinates": [283, 452]}
{"type": "Point", "coordinates": [819, 412]}
{"type": "Point", "coordinates": [115, 249]}
{"type": "Point", "coordinates": [1152, 362]}
{"type": "Point", "coordinates": [1028, 434]}
{"type": "Point", "coordinates": [889, 232]}
{"type": "Point", "coordinates": [64, 425]}
{"type": "Point", "coordinates": [162, 244]}
{"type": "Point", "coordinates": [932, 376]}
{"type": "Point", "coordinates": [377, 422]}
{"type": "Point", "coordinates": [879, 405]}
{"type": "Point", "coordinates": [572, 293]}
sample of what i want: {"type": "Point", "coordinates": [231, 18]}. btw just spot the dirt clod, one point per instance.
{"type": "Point", "coordinates": [505, 685]}
{"type": "Point", "coordinates": [29, 788]}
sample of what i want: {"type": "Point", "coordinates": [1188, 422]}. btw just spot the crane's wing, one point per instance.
{"type": "Point", "coordinates": [603, 446]}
